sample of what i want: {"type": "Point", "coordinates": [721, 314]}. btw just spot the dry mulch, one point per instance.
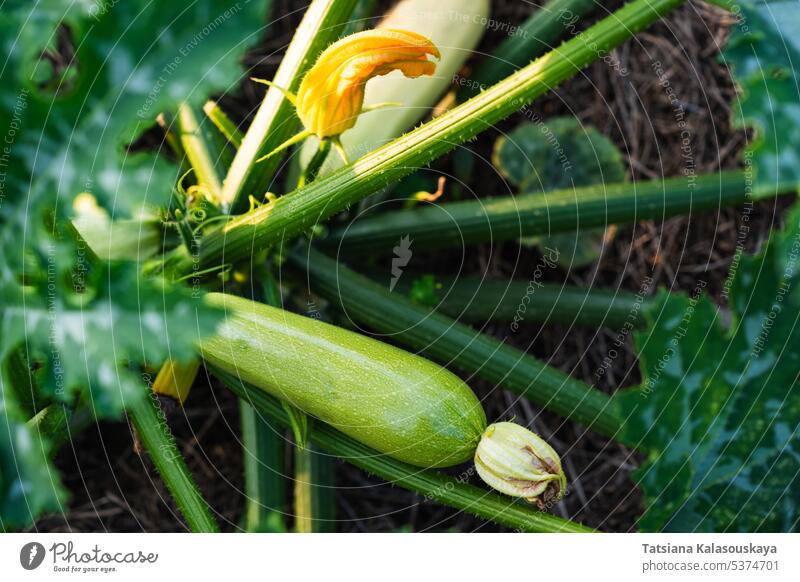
{"type": "Point", "coordinates": [113, 489]}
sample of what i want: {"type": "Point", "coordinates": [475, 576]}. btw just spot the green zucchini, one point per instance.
{"type": "Point", "coordinates": [398, 403]}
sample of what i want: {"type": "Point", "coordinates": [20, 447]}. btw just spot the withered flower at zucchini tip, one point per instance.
{"type": "Point", "coordinates": [331, 95]}
{"type": "Point", "coordinates": [518, 462]}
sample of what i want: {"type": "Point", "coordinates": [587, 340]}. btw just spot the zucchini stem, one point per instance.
{"type": "Point", "coordinates": [160, 445]}
{"type": "Point", "coordinates": [263, 449]}
{"type": "Point", "coordinates": [199, 151]}
{"type": "Point", "coordinates": [478, 300]}
{"type": "Point", "coordinates": [542, 213]}
{"type": "Point", "coordinates": [534, 37]}
{"type": "Point", "coordinates": [314, 499]}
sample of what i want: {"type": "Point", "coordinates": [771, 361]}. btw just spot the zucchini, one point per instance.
{"type": "Point", "coordinates": [398, 403]}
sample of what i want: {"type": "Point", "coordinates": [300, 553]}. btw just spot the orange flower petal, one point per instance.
{"type": "Point", "coordinates": [331, 94]}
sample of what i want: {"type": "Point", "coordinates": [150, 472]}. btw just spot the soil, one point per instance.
{"type": "Point", "coordinates": [114, 489]}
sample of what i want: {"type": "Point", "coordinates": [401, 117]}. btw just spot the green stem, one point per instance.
{"type": "Point", "coordinates": [315, 163]}
{"type": "Point", "coordinates": [223, 123]}
{"type": "Point", "coordinates": [477, 300]}
{"type": "Point", "coordinates": [452, 343]}
{"type": "Point", "coordinates": [431, 484]}
{"type": "Point", "coordinates": [276, 120]}
{"type": "Point", "coordinates": [263, 450]}
{"type": "Point", "coordinates": [160, 445]}
{"type": "Point", "coordinates": [512, 217]}
{"type": "Point", "coordinates": [314, 499]}
{"type": "Point", "coordinates": [198, 150]}
{"type": "Point", "coordinates": [292, 214]}
{"type": "Point", "coordinates": [534, 37]}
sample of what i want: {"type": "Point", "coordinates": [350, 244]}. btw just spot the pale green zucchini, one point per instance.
{"type": "Point", "coordinates": [398, 403]}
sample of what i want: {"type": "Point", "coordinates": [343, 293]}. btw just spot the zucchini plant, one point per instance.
{"type": "Point", "coordinates": [143, 231]}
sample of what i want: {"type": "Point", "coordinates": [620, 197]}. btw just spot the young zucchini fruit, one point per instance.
{"type": "Point", "coordinates": [398, 403]}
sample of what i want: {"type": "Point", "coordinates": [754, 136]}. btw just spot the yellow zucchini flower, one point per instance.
{"type": "Point", "coordinates": [331, 94]}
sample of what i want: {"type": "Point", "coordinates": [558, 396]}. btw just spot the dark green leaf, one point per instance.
{"type": "Point", "coordinates": [764, 53]}
{"type": "Point", "coordinates": [718, 411]}
{"type": "Point", "coordinates": [135, 59]}
{"type": "Point", "coordinates": [94, 342]}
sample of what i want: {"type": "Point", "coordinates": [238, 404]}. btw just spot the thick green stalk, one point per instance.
{"type": "Point", "coordinates": [162, 449]}
{"type": "Point", "coordinates": [264, 484]}
{"type": "Point", "coordinates": [314, 499]}
{"type": "Point", "coordinates": [431, 484]}
{"type": "Point", "coordinates": [455, 344]}
{"type": "Point", "coordinates": [533, 38]}
{"type": "Point", "coordinates": [292, 214]}
{"type": "Point", "coordinates": [476, 300]}
{"type": "Point", "coordinates": [276, 121]}
{"type": "Point", "coordinates": [512, 217]}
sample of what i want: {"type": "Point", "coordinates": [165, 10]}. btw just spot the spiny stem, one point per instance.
{"type": "Point", "coordinates": [430, 484]}
{"type": "Point", "coordinates": [534, 37]}
{"type": "Point", "coordinates": [291, 215]}
{"type": "Point", "coordinates": [276, 120]}
{"type": "Point", "coordinates": [160, 445]}
{"type": "Point", "coordinates": [524, 215]}
{"type": "Point", "coordinates": [477, 300]}
{"type": "Point", "coordinates": [452, 343]}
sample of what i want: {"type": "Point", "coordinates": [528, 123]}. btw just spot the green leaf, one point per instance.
{"type": "Point", "coordinates": [135, 59]}
{"type": "Point", "coordinates": [95, 342]}
{"type": "Point", "coordinates": [764, 53]}
{"type": "Point", "coordinates": [69, 131]}
{"type": "Point", "coordinates": [558, 154]}
{"type": "Point", "coordinates": [718, 408]}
